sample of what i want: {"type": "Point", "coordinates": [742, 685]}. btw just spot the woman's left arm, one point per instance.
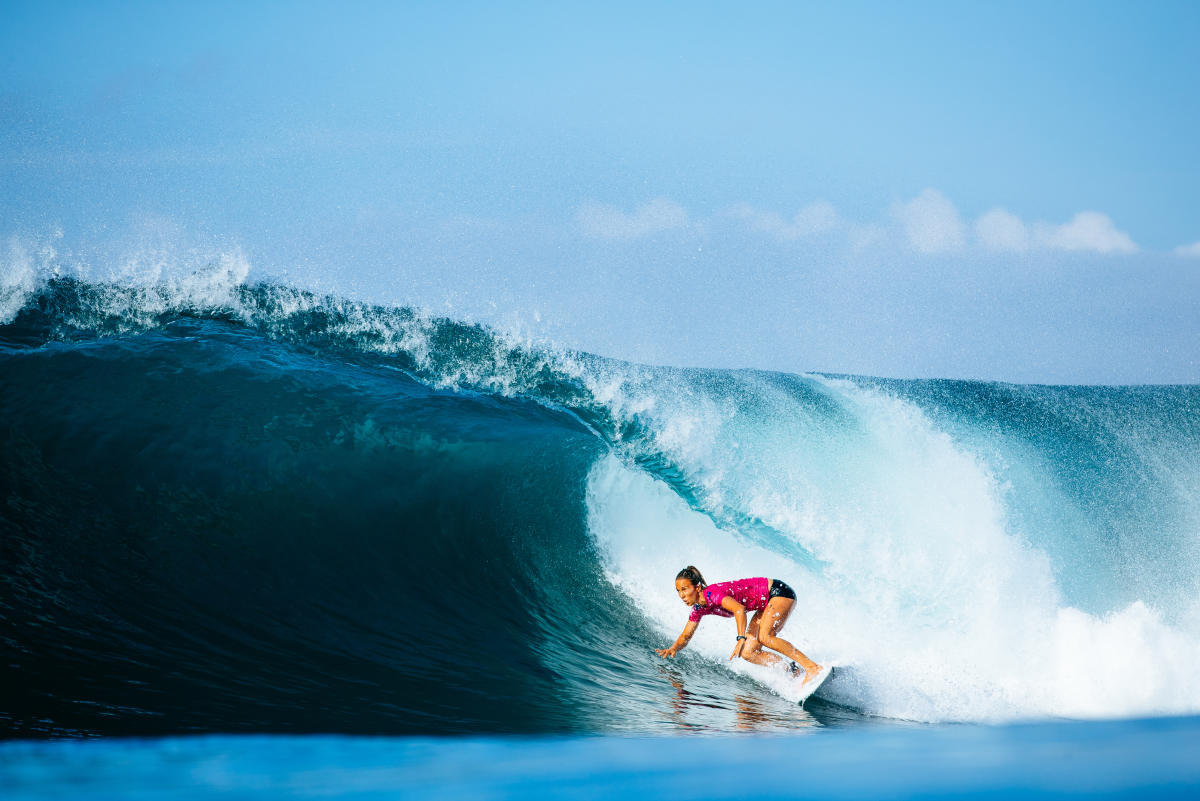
{"type": "Point", "coordinates": [739, 614]}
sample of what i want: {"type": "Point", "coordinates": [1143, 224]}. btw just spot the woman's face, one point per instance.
{"type": "Point", "coordinates": [688, 592]}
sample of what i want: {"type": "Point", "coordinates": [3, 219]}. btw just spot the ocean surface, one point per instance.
{"type": "Point", "coordinates": [270, 536]}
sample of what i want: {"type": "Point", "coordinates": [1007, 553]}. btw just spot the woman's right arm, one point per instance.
{"type": "Point", "coordinates": [680, 642]}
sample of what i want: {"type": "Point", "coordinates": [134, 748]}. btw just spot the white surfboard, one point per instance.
{"type": "Point", "coordinates": [814, 684]}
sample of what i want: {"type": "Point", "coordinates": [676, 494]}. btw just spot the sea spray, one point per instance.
{"type": "Point", "coordinates": [944, 609]}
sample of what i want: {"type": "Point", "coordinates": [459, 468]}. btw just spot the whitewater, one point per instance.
{"type": "Point", "coordinates": [224, 495]}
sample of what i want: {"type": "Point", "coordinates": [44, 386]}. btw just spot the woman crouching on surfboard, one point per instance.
{"type": "Point", "coordinates": [771, 601]}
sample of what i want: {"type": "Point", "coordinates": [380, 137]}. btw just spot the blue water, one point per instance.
{"type": "Point", "coordinates": [1130, 759]}
{"type": "Point", "coordinates": [245, 509]}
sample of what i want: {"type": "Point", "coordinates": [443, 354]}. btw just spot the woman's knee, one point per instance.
{"type": "Point", "coordinates": [771, 642]}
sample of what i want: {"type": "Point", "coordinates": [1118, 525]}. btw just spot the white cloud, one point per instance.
{"type": "Point", "coordinates": [815, 218]}
{"type": "Point", "coordinates": [1191, 251]}
{"type": "Point", "coordinates": [1002, 230]}
{"type": "Point", "coordinates": [1087, 231]}
{"type": "Point", "coordinates": [931, 223]}
{"type": "Point", "coordinates": [609, 222]}
{"type": "Point", "coordinates": [758, 220]}
{"type": "Point", "coordinates": [928, 223]}
{"type": "Point", "coordinates": [865, 237]}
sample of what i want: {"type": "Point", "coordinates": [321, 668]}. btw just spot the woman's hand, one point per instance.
{"type": "Point", "coordinates": [680, 641]}
{"type": "Point", "coordinates": [739, 613]}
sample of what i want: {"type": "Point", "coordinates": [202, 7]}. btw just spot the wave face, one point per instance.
{"type": "Point", "coordinates": [248, 507]}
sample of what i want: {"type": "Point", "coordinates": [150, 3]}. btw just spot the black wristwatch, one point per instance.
{"type": "Point", "coordinates": [741, 636]}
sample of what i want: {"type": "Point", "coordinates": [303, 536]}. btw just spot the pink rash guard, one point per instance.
{"type": "Point", "coordinates": [750, 592]}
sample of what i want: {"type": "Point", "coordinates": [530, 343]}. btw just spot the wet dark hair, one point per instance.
{"type": "Point", "coordinates": [692, 574]}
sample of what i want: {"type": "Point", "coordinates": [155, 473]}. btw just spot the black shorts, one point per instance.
{"type": "Point", "coordinates": [781, 590]}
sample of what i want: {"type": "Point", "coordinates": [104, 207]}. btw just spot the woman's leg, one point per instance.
{"type": "Point", "coordinates": [773, 618]}
{"type": "Point", "coordinates": [752, 651]}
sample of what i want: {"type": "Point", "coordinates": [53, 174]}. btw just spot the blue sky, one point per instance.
{"type": "Point", "coordinates": [1007, 191]}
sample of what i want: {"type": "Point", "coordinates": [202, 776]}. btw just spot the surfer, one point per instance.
{"type": "Point", "coordinates": [771, 601]}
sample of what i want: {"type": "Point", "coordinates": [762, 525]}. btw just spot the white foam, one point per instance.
{"type": "Point", "coordinates": [20, 275]}
{"type": "Point", "coordinates": [944, 611]}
